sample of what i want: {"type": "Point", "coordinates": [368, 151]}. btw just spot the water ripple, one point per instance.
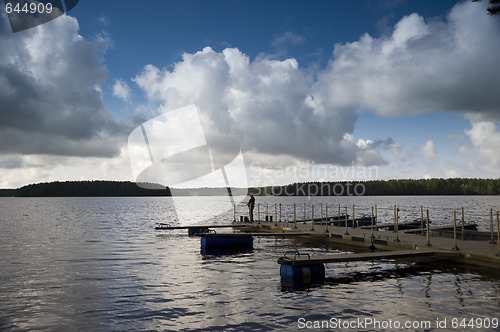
{"type": "Point", "coordinates": [96, 264]}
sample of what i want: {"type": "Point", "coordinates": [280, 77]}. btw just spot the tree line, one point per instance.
{"type": "Point", "coordinates": [91, 189]}
{"type": "Point", "coordinates": [402, 187]}
{"type": "Point", "coordinates": [8, 192]}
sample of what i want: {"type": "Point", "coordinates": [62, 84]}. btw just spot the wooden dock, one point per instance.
{"type": "Point", "coordinates": [465, 235]}
{"type": "Point", "coordinates": [167, 227]}
{"type": "Point", "coordinates": [304, 259]}
{"type": "Point", "coordinates": [467, 226]}
{"type": "Point", "coordinates": [258, 234]}
{"type": "Point", "coordinates": [474, 252]}
{"type": "Point", "coordinates": [401, 226]}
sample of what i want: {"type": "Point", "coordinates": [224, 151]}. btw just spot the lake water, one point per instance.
{"type": "Point", "coordinates": [97, 264]}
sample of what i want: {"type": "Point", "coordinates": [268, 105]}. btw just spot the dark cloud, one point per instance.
{"type": "Point", "coordinates": [11, 162]}
{"type": "Point", "coordinates": [50, 102]}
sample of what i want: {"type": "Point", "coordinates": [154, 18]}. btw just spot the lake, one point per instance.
{"type": "Point", "coordinates": [97, 264]}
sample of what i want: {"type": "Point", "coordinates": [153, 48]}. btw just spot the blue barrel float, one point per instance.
{"type": "Point", "coordinates": [305, 272]}
{"type": "Point", "coordinates": [226, 241]}
{"type": "Point", "coordinates": [308, 272]}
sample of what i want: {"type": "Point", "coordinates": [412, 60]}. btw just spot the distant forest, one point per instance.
{"type": "Point", "coordinates": [358, 188]}
{"type": "Point", "coordinates": [454, 186]}
{"type": "Point", "coordinates": [90, 189]}
{"type": "Point", "coordinates": [8, 192]}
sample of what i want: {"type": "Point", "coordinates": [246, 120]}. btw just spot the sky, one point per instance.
{"type": "Point", "coordinates": [305, 90]}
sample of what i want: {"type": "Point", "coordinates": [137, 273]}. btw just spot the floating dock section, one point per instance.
{"type": "Point", "coordinates": [306, 268]}
{"type": "Point", "coordinates": [386, 245]}
{"type": "Point", "coordinates": [411, 240]}
{"type": "Point", "coordinates": [195, 229]}
{"type": "Point", "coordinates": [310, 272]}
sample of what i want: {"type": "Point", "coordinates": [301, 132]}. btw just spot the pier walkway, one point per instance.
{"type": "Point", "coordinates": [301, 259]}
{"type": "Point", "coordinates": [167, 227]}
{"type": "Point", "coordinates": [466, 251]}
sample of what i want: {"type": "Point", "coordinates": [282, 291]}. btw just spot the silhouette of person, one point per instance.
{"type": "Point", "coordinates": [251, 205]}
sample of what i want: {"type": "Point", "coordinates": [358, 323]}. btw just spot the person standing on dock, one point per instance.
{"type": "Point", "coordinates": [251, 205]}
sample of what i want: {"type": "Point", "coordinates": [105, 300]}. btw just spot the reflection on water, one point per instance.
{"type": "Point", "coordinates": [97, 264]}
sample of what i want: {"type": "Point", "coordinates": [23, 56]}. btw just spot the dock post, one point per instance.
{"type": "Point", "coordinates": [422, 219]}
{"type": "Point", "coordinates": [258, 212]}
{"type": "Point", "coordinates": [280, 212]}
{"type": "Point", "coordinates": [397, 226]}
{"type": "Point", "coordinates": [267, 211]}
{"type": "Point", "coordinates": [491, 227]}
{"type": "Point", "coordinates": [463, 225]}
{"type": "Point", "coordinates": [346, 232]}
{"type": "Point", "coordinates": [428, 244]}
{"type": "Point", "coordinates": [498, 235]}
{"type": "Point", "coordinates": [353, 217]}
{"type": "Point", "coordinates": [338, 216]}
{"type": "Point", "coordinates": [376, 215]}
{"type": "Point", "coordinates": [321, 213]}
{"type": "Point", "coordinates": [326, 211]}
{"type": "Point", "coordinates": [234, 212]}
{"type": "Point", "coordinates": [312, 217]}
{"type": "Point", "coordinates": [294, 215]}
{"type": "Point", "coordinates": [276, 214]}
{"type": "Point", "coordinates": [394, 218]}
{"type": "Point", "coordinates": [455, 230]}
{"type": "Point", "coordinates": [373, 236]}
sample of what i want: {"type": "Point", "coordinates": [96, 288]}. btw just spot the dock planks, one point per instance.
{"type": "Point", "coordinates": [310, 260]}
{"type": "Point", "coordinates": [244, 234]}
{"type": "Point", "coordinates": [168, 227]}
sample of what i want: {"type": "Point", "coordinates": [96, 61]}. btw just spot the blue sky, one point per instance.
{"type": "Point", "coordinates": [406, 87]}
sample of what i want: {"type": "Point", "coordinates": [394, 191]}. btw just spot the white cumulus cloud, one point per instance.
{"type": "Point", "coordinates": [465, 151]}
{"type": "Point", "coordinates": [265, 103]}
{"type": "Point", "coordinates": [485, 137]}
{"type": "Point", "coordinates": [274, 107]}
{"type": "Point", "coordinates": [428, 150]}
{"type": "Point", "coordinates": [122, 90]}
{"type": "Point", "coordinates": [451, 173]}
{"type": "Point", "coordinates": [432, 65]}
